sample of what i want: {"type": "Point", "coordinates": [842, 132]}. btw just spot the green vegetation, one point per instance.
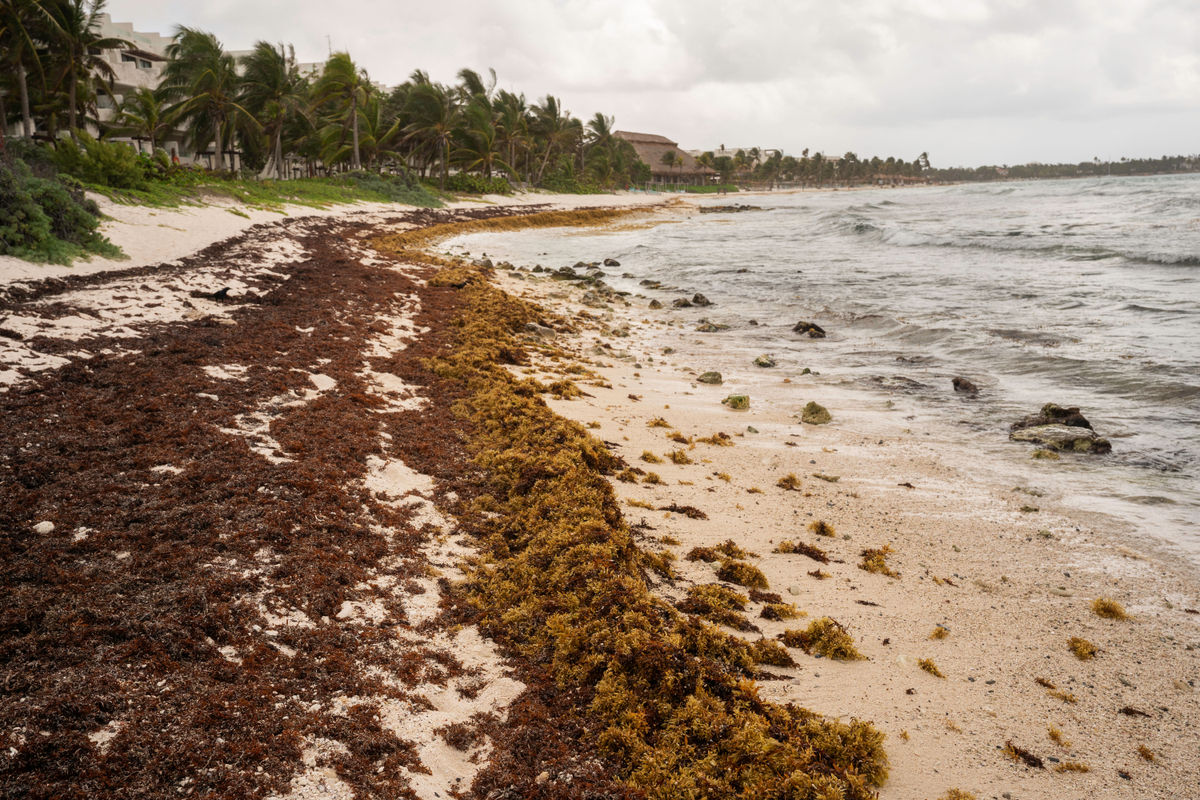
{"type": "Point", "coordinates": [47, 218]}
{"type": "Point", "coordinates": [559, 582]}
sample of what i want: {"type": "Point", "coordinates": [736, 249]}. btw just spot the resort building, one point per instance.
{"type": "Point", "coordinates": [667, 162]}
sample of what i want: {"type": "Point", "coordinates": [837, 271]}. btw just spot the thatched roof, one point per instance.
{"type": "Point", "coordinates": [651, 148]}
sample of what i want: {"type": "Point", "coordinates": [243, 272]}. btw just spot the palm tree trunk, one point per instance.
{"type": "Point", "coordinates": [279, 153]}
{"type": "Point", "coordinates": [354, 111]}
{"type": "Point", "coordinates": [26, 117]}
{"type": "Point", "coordinates": [219, 161]}
{"type": "Point", "coordinates": [71, 109]}
{"type": "Point", "coordinates": [445, 160]}
{"type": "Point", "coordinates": [545, 161]}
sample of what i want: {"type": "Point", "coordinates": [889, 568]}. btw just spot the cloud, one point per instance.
{"type": "Point", "coordinates": [973, 80]}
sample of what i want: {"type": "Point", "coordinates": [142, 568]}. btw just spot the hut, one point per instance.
{"type": "Point", "coordinates": [656, 151]}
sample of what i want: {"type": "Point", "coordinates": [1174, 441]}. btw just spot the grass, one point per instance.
{"type": "Point", "coordinates": [824, 637]}
{"type": "Point", "coordinates": [270, 194]}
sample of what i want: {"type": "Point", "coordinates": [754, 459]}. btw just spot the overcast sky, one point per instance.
{"type": "Point", "coordinates": [970, 81]}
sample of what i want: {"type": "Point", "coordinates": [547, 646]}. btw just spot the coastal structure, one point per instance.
{"type": "Point", "coordinates": [668, 163]}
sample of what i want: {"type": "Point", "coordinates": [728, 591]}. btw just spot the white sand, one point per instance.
{"type": "Point", "coordinates": [1010, 586]}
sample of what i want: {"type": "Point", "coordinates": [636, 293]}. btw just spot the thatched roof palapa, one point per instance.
{"type": "Point", "coordinates": [651, 148]}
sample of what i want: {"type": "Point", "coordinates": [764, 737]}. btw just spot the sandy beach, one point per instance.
{"type": "Point", "coordinates": [252, 521]}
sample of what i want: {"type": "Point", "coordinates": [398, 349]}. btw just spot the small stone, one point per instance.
{"type": "Point", "coordinates": [764, 361]}
{"type": "Point", "coordinates": [700, 300]}
{"type": "Point", "coordinates": [751, 429]}
{"type": "Point", "coordinates": [738, 402]}
{"type": "Point", "coordinates": [815, 414]}
{"type": "Point", "coordinates": [964, 386]}
{"type": "Point", "coordinates": [611, 262]}
{"type": "Point", "coordinates": [793, 589]}
{"type": "Point", "coordinates": [655, 304]}
{"type": "Point", "coordinates": [713, 378]}
{"type": "Point", "coordinates": [813, 330]}
{"type": "Point", "coordinates": [44, 527]}
{"type": "Point", "coordinates": [682, 302]}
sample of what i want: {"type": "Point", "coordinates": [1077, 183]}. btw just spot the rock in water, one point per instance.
{"type": "Point", "coordinates": [711, 327]}
{"type": "Point", "coordinates": [764, 361]}
{"type": "Point", "coordinates": [815, 414]}
{"type": "Point", "coordinates": [611, 262]}
{"type": "Point", "coordinates": [738, 402]}
{"type": "Point", "coordinates": [1052, 414]}
{"type": "Point", "coordinates": [1070, 438]}
{"type": "Point", "coordinates": [700, 300]}
{"type": "Point", "coordinates": [44, 527]}
{"type": "Point", "coordinates": [655, 304]}
{"type": "Point", "coordinates": [710, 377]}
{"type": "Point", "coordinates": [964, 386]}
{"type": "Point", "coordinates": [682, 302]}
{"type": "Point", "coordinates": [813, 330]}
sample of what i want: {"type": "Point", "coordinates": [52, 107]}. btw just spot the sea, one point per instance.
{"type": "Point", "coordinates": [1078, 292]}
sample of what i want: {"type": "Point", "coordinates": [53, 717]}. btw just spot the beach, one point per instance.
{"type": "Point", "coordinates": [257, 507]}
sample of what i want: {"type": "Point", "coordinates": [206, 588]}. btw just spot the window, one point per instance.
{"type": "Point", "coordinates": [127, 59]}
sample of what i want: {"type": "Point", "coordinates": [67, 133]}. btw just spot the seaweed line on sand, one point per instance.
{"type": "Point", "coordinates": [668, 701]}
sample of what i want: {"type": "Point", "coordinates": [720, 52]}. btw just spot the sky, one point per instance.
{"type": "Point", "coordinates": [969, 81]}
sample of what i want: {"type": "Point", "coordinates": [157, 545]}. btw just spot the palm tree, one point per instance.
{"type": "Point", "coordinates": [480, 148]}
{"type": "Point", "coordinates": [435, 119]}
{"type": "Point", "coordinates": [76, 45]}
{"type": "Point", "coordinates": [202, 82]}
{"type": "Point", "coordinates": [557, 129]}
{"type": "Point", "coordinates": [512, 124]}
{"type": "Point", "coordinates": [22, 27]}
{"type": "Point", "coordinates": [141, 115]}
{"type": "Point", "coordinates": [346, 87]}
{"type": "Point", "coordinates": [274, 93]}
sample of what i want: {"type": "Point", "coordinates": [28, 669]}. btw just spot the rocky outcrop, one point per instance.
{"type": "Point", "coordinates": [710, 377]}
{"type": "Point", "coordinates": [700, 300]}
{"type": "Point", "coordinates": [611, 262]}
{"type": "Point", "coordinates": [964, 386]}
{"type": "Point", "coordinates": [1052, 414]}
{"type": "Point", "coordinates": [682, 302]}
{"type": "Point", "coordinates": [764, 361]}
{"type": "Point", "coordinates": [813, 330]}
{"type": "Point", "coordinates": [728, 209]}
{"type": "Point", "coordinates": [1068, 438]}
{"type": "Point", "coordinates": [655, 304]}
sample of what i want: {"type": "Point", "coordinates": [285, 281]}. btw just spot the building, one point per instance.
{"type": "Point", "coordinates": [656, 151]}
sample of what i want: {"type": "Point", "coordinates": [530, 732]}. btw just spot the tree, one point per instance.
{"type": "Point", "coordinates": [436, 115]}
{"type": "Point", "coordinates": [142, 116]}
{"type": "Point", "coordinates": [75, 47]}
{"type": "Point", "coordinates": [201, 81]}
{"type": "Point", "coordinates": [274, 93]}
{"type": "Point", "coordinates": [23, 24]}
{"type": "Point", "coordinates": [556, 128]}
{"type": "Point", "coordinates": [346, 87]}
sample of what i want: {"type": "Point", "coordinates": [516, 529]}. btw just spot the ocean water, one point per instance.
{"type": "Point", "coordinates": [1079, 292]}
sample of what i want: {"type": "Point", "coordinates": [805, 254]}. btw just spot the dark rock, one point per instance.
{"type": "Point", "coordinates": [964, 386]}
{"type": "Point", "coordinates": [564, 271]}
{"type": "Point", "coordinates": [655, 304]}
{"type": "Point", "coordinates": [711, 327]}
{"type": "Point", "coordinates": [738, 402]}
{"type": "Point", "coordinates": [753, 322]}
{"type": "Point", "coordinates": [728, 209]}
{"type": "Point", "coordinates": [539, 268]}
{"type": "Point", "coordinates": [1070, 438]}
{"type": "Point", "coordinates": [486, 263]}
{"type": "Point", "coordinates": [611, 262]}
{"type": "Point", "coordinates": [221, 294]}
{"type": "Point", "coordinates": [764, 361]}
{"type": "Point", "coordinates": [682, 302]}
{"type": "Point", "coordinates": [813, 330]}
{"type": "Point", "coordinates": [1052, 414]}
{"type": "Point", "coordinates": [713, 378]}
{"type": "Point", "coordinates": [700, 300]}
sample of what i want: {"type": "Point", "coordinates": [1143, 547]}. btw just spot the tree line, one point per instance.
{"type": "Point", "coordinates": [755, 165]}
{"type": "Point", "coordinates": [264, 107]}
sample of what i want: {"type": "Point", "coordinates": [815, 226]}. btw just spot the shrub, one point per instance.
{"type": "Point", "coordinates": [23, 224]}
{"type": "Point", "coordinates": [104, 163]}
{"type": "Point", "coordinates": [470, 183]}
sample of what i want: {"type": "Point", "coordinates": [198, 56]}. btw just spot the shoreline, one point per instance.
{"type": "Point", "coordinates": [1008, 607]}
{"type": "Point", "coordinates": [1014, 585]}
